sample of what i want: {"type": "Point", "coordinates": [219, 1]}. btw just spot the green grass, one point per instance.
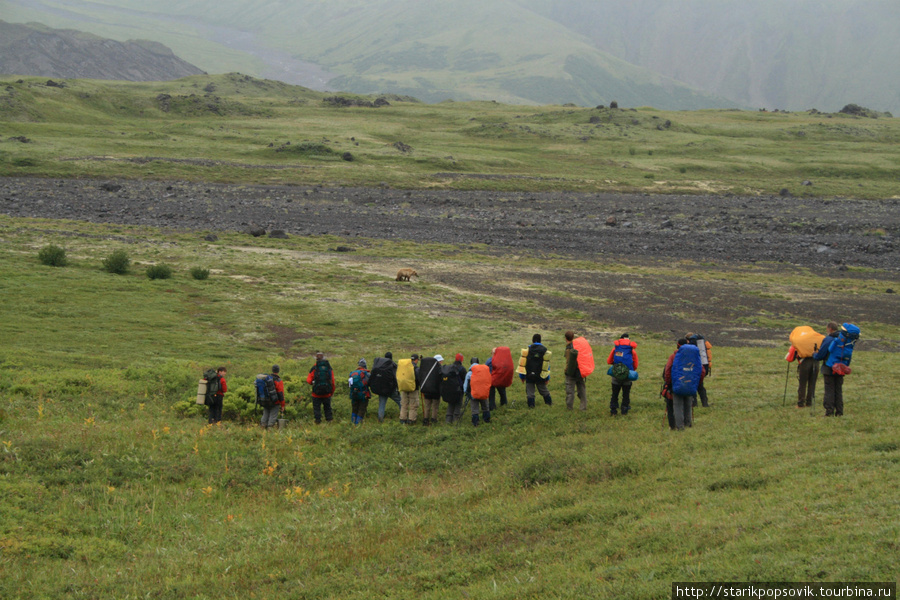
{"type": "Point", "coordinates": [239, 132]}
{"type": "Point", "coordinates": [107, 491]}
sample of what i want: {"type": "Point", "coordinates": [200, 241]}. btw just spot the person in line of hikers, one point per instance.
{"type": "Point", "coordinates": [477, 387]}
{"type": "Point", "coordinates": [624, 359]}
{"type": "Point", "coordinates": [683, 375]}
{"type": "Point", "coordinates": [408, 384]}
{"type": "Point", "coordinates": [705, 349]}
{"type": "Point", "coordinates": [321, 378]}
{"type": "Point", "coordinates": [452, 379]}
{"type": "Point", "coordinates": [574, 380]}
{"type": "Point", "coordinates": [666, 391]}
{"type": "Point", "coordinates": [358, 381]}
{"type": "Point", "coordinates": [383, 381]}
{"type": "Point", "coordinates": [834, 384]}
{"type": "Point", "coordinates": [217, 398]}
{"type": "Point", "coordinates": [807, 373]}
{"type": "Point", "coordinates": [501, 366]}
{"type": "Point", "coordinates": [272, 408]}
{"type": "Point", "coordinates": [534, 370]}
{"type": "Point", "coordinates": [430, 385]}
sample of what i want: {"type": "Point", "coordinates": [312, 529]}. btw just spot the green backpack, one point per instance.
{"type": "Point", "coordinates": [619, 371]}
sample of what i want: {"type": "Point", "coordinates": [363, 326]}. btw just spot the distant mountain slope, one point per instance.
{"type": "Point", "coordinates": [463, 50]}
{"type": "Point", "coordinates": [34, 49]}
{"type": "Point", "coordinates": [788, 54]}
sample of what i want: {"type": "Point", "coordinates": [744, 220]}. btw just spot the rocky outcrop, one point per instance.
{"type": "Point", "coordinates": [34, 49]}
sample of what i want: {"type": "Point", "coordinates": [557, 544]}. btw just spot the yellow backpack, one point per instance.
{"type": "Point", "coordinates": [406, 375]}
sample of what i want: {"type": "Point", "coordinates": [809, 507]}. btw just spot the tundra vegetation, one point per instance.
{"type": "Point", "coordinates": [234, 128]}
{"type": "Point", "coordinates": [113, 486]}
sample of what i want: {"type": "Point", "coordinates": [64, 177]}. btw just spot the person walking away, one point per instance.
{"type": "Point", "coordinates": [836, 351]}
{"type": "Point", "coordinates": [321, 378]}
{"type": "Point", "coordinates": [805, 341]}
{"type": "Point", "coordinates": [217, 398]}
{"type": "Point", "coordinates": [666, 391]}
{"type": "Point", "coordinates": [705, 349]}
{"type": "Point", "coordinates": [408, 384]}
{"type": "Point", "coordinates": [452, 379]}
{"type": "Point", "coordinates": [624, 353]}
{"type": "Point", "coordinates": [534, 370]}
{"type": "Point", "coordinates": [359, 392]}
{"type": "Point", "coordinates": [430, 371]}
{"type": "Point", "coordinates": [501, 365]}
{"type": "Point", "coordinates": [686, 374]}
{"type": "Point", "coordinates": [478, 387]}
{"type": "Point", "coordinates": [383, 381]}
{"type": "Point", "coordinates": [574, 380]}
{"type": "Point", "coordinates": [271, 397]}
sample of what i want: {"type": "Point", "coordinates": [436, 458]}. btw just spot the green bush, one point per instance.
{"type": "Point", "coordinates": [159, 271]}
{"type": "Point", "coordinates": [53, 256]}
{"type": "Point", "coordinates": [199, 273]}
{"type": "Point", "coordinates": [117, 262]}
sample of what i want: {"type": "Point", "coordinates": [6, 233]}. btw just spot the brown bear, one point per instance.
{"type": "Point", "coordinates": [405, 274]}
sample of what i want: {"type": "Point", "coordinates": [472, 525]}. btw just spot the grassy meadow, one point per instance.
{"type": "Point", "coordinates": [234, 128]}
{"type": "Point", "coordinates": [112, 486]}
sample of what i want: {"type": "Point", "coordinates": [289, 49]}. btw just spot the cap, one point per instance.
{"type": "Point", "coordinates": [438, 358]}
{"type": "Point", "coordinates": [415, 356]}
{"type": "Point", "coordinates": [459, 357]}
{"type": "Point", "coordinates": [362, 363]}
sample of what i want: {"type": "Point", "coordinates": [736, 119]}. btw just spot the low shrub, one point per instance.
{"type": "Point", "coordinates": [117, 262]}
{"type": "Point", "coordinates": [53, 256]}
{"type": "Point", "coordinates": [199, 273]}
{"type": "Point", "coordinates": [159, 272]}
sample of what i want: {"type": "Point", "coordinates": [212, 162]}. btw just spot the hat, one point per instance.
{"type": "Point", "coordinates": [388, 355]}
{"type": "Point", "coordinates": [415, 357]}
{"type": "Point", "coordinates": [362, 363]}
{"type": "Point", "coordinates": [276, 368]}
{"type": "Point", "coordinates": [438, 358]}
{"type": "Point", "coordinates": [536, 338]}
{"type": "Point", "coordinates": [319, 353]}
{"type": "Point", "coordinates": [474, 360]}
{"type": "Point", "coordinates": [459, 357]}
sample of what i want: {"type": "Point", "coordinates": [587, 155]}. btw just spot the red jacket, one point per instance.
{"type": "Point", "coordinates": [624, 342]}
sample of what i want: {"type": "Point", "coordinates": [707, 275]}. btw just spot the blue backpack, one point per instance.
{"type": "Point", "coordinates": [623, 353]}
{"type": "Point", "coordinates": [266, 392]}
{"type": "Point", "coordinates": [359, 382]}
{"type": "Point", "coordinates": [686, 370]}
{"type": "Point", "coordinates": [841, 348]}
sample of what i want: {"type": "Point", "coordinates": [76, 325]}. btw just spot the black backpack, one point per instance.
{"type": "Point", "coordinates": [451, 390]}
{"type": "Point", "coordinates": [321, 385]}
{"type": "Point", "coordinates": [212, 385]}
{"type": "Point", "coordinates": [534, 363]}
{"type": "Point", "coordinates": [383, 378]}
{"type": "Point", "coordinates": [430, 382]}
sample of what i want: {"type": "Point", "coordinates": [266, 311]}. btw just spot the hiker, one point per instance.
{"type": "Point", "coordinates": [501, 365]}
{"type": "Point", "coordinates": [683, 376]}
{"type": "Point", "coordinates": [452, 379]}
{"type": "Point", "coordinates": [478, 389]}
{"type": "Point", "coordinates": [666, 391]}
{"type": "Point", "coordinates": [574, 380]}
{"type": "Point", "coordinates": [624, 354]}
{"type": "Point", "coordinates": [272, 404]}
{"type": "Point", "coordinates": [321, 378]}
{"type": "Point", "coordinates": [805, 341]}
{"type": "Point", "coordinates": [383, 381]}
{"type": "Point", "coordinates": [217, 398]}
{"type": "Point", "coordinates": [534, 370]}
{"type": "Point", "coordinates": [705, 349]}
{"type": "Point", "coordinates": [837, 359]}
{"type": "Point", "coordinates": [408, 384]}
{"type": "Point", "coordinates": [430, 384]}
{"type": "Point", "coordinates": [359, 392]}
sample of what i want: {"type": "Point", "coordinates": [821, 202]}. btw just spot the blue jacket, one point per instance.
{"type": "Point", "coordinates": [823, 351]}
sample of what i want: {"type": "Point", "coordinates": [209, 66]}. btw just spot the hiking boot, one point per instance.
{"type": "Point", "coordinates": [475, 420]}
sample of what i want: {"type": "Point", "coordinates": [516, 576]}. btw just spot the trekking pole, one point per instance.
{"type": "Point", "coordinates": [465, 404]}
{"type": "Point", "coordinates": [787, 374]}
